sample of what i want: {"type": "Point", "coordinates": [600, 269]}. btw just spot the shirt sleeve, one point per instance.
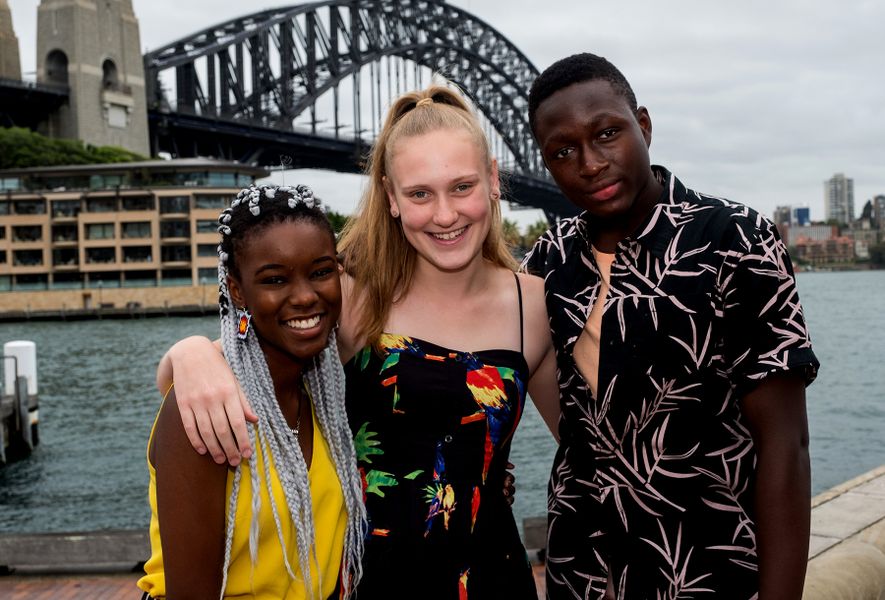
{"type": "Point", "coordinates": [765, 330]}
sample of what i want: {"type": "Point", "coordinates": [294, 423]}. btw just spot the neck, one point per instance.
{"type": "Point", "coordinates": [606, 233]}
{"type": "Point", "coordinates": [285, 371]}
{"type": "Point", "coordinates": [435, 283]}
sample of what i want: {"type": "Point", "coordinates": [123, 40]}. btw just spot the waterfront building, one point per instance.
{"type": "Point", "coordinates": [879, 211]}
{"type": "Point", "coordinates": [142, 233]}
{"type": "Point", "coordinates": [94, 49]}
{"type": "Point", "coordinates": [839, 249]}
{"type": "Point", "coordinates": [839, 199]}
{"type": "Point", "coordinates": [783, 215]}
{"type": "Point", "coordinates": [818, 233]}
{"type": "Point", "coordinates": [801, 216]}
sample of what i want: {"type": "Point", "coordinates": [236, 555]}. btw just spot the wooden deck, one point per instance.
{"type": "Point", "coordinates": [101, 587]}
{"type": "Point", "coordinates": [69, 587]}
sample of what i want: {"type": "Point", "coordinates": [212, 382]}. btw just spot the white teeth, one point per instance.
{"type": "Point", "coordinates": [450, 235]}
{"type": "Point", "coordinates": [304, 323]}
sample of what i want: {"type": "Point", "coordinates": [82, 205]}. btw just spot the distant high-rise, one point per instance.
{"type": "Point", "coordinates": [783, 215]}
{"type": "Point", "coordinates": [839, 198]}
{"type": "Point", "coordinates": [801, 216]}
{"type": "Point", "coordinates": [10, 64]}
{"type": "Point", "coordinates": [93, 47]}
{"type": "Point", "coordinates": [879, 211]}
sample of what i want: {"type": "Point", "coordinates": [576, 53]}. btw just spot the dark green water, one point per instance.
{"type": "Point", "coordinates": [97, 403]}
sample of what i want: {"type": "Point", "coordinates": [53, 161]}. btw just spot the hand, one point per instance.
{"type": "Point", "coordinates": [509, 485]}
{"type": "Point", "coordinates": [213, 407]}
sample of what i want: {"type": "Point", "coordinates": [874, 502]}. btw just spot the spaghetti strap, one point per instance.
{"type": "Point", "coordinates": [519, 295]}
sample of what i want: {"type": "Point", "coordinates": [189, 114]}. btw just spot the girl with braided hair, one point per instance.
{"type": "Point", "coordinates": [289, 522]}
{"type": "Point", "coordinates": [441, 341]}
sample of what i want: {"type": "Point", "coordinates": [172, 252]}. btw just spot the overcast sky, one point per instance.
{"type": "Point", "coordinates": [757, 101]}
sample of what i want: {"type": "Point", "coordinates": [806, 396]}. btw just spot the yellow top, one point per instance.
{"type": "Point", "coordinates": [267, 578]}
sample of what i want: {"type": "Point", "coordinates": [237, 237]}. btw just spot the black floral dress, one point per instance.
{"type": "Point", "coordinates": [432, 432]}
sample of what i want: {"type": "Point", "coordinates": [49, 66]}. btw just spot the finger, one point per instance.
{"type": "Point", "coordinates": [193, 435]}
{"type": "Point", "coordinates": [237, 421]}
{"type": "Point", "coordinates": [207, 434]}
{"type": "Point", "coordinates": [244, 404]}
{"type": "Point", "coordinates": [222, 429]}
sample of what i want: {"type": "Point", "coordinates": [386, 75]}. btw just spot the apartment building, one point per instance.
{"type": "Point", "coordinates": [125, 226]}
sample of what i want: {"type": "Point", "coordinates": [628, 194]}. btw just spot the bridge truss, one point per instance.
{"type": "Point", "coordinates": [308, 85]}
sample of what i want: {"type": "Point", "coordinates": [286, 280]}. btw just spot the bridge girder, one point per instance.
{"type": "Point", "coordinates": [297, 54]}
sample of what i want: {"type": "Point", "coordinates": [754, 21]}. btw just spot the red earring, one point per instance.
{"type": "Point", "coordinates": [244, 317]}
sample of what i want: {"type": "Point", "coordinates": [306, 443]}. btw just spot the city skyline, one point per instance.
{"type": "Point", "coordinates": [811, 109]}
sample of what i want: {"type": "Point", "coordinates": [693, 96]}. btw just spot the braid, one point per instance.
{"type": "Point", "coordinates": [324, 380]}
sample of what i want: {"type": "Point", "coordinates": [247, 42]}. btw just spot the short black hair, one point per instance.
{"type": "Point", "coordinates": [576, 69]}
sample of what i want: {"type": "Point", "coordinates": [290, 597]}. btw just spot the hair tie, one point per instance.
{"type": "Point", "coordinates": [423, 102]}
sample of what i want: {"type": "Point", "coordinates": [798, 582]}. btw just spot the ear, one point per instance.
{"type": "Point", "coordinates": [494, 181]}
{"type": "Point", "coordinates": [644, 120]}
{"type": "Point", "coordinates": [236, 293]}
{"type": "Point", "coordinates": [391, 197]}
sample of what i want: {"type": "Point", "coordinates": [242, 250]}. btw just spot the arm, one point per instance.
{"type": "Point", "coordinates": [190, 508]}
{"type": "Point", "coordinates": [213, 408]}
{"type": "Point", "coordinates": [775, 415]}
{"type": "Point", "coordinates": [540, 353]}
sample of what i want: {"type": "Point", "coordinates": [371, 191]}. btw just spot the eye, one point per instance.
{"type": "Point", "coordinates": [272, 280]}
{"type": "Point", "coordinates": [563, 152]}
{"type": "Point", "coordinates": [419, 195]}
{"type": "Point", "coordinates": [463, 187]}
{"type": "Point", "coordinates": [323, 273]}
{"type": "Point", "coordinates": [608, 133]}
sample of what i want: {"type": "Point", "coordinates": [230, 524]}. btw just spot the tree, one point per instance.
{"type": "Point", "coordinates": [22, 148]}
{"type": "Point", "coordinates": [511, 233]}
{"type": "Point", "coordinates": [338, 220]}
{"type": "Point", "coordinates": [534, 231]}
{"type": "Point", "coordinates": [877, 255]}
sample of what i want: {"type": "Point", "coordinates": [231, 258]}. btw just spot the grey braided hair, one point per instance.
{"type": "Point", "coordinates": [254, 209]}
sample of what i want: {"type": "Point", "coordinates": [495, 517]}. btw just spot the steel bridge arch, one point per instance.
{"type": "Point", "coordinates": [320, 44]}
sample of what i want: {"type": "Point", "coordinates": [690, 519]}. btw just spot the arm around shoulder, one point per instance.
{"type": "Point", "coordinates": [540, 353]}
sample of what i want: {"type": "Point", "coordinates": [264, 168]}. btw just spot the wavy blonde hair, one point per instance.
{"type": "Point", "coordinates": [376, 252]}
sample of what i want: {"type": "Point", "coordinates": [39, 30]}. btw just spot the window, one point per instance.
{"type": "Point", "coordinates": [2, 232]}
{"type": "Point", "coordinates": [64, 233]}
{"type": "Point", "coordinates": [3, 257]}
{"type": "Point", "coordinates": [216, 202]}
{"type": "Point", "coordinates": [177, 277]}
{"type": "Point", "coordinates": [98, 256]}
{"type": "Point", "coordinates": [10, 184]}
{"type": "Point", "coordinates": [176, 253]}
{"type": "Point", "coordinates": [100, 231]}
{"type": "Point", "coordinates": [207, 250]}
{"type": "Point", "coordinates": [175, 204]}
{"type": "Point", "coordinates": [27, 233]}
{"type": "Point", "coordinates": [36, 281]}
{"type": "Point", "coordinates": [175, 229]}
{"type": "Point", "coordinates": [57, 67]}
{"type": "Point", "coordinates": [137, 254]}
{"type": "Point", "coordinates": [222, 179]}
{"type": "Point", "coordinates": [140, 229]}
{"type": "Point", "coordinates": [206, 226]}
{"type": "Point", "coordinates": [65, 208]}
{"type": "Point", "coordinates": [207, 276]}
{"type": "Point", "coordinates": [64, 257]}
{"type": "Point", "coordinates": [109, 80]}
{"type": "Point", "coordinates": [4, 208]}
{"type": "Point", "coordinates": [101, 205]}
{"type": "Point", "coordinates": [29, 207]}
{"type": "Point", "coordinates": [138, 203]}
{"type": "Point", "coordinates": [27, 258]}
{"type": "Point", "coordinates": [106, 182]}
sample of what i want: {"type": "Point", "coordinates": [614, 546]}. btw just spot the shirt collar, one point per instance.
{"type": "Point", "coordinates": [659, 227]}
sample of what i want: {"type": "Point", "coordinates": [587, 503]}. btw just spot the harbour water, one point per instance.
{"type": "Point", "coordinates": [97, 403]}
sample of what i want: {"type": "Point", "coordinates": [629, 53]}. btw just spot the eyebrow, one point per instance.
{"type": "Point", "coordinates": [473, 176]}
{"type": "Point", "coordinates": [272, 266]}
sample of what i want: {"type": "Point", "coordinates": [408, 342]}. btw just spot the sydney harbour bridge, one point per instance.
{"type": "Point", "coordinates": [307, 86]}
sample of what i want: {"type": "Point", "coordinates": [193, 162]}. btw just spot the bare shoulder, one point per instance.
{"type": "Point", "coordinates": [348, 344]}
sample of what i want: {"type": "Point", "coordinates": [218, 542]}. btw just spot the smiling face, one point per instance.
{"type": "Point", "coordinates": [287, 276]}
{"type": "Point", "coordinates": [596, 148]}
{"type": "Point", "coordinates": [441, 186]}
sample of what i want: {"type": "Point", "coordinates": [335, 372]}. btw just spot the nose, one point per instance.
{"type": "Point", "coordinates": [592, 162]}
{"type": "Point", "coordinates": [302, 292]}
{"type": "Point", "coordinates": [446, 213]}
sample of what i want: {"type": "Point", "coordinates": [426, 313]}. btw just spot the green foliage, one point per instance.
{"type": "Point", "coordinates": [877, 255]}
{"type": "Point", "coordinates": [338, 220]}
{"type": "Point", "coordinates": [534, 231]}
{"type": "Point", "coordinates": [21, 148]}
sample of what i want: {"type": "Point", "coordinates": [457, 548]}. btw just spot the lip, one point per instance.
{"type": "Point", "coordinates": [433, 235]}
{"type": "Point", "coordinates": [605, 191]}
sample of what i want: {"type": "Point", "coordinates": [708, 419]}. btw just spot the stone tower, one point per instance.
{"type": "Point", "coordinates": [93, 47]}
{"type": "Point", "coordinates": [10, 65]}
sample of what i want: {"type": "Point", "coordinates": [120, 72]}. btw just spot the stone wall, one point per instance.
{"type": "Point", "coordinates": [91, 298]}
